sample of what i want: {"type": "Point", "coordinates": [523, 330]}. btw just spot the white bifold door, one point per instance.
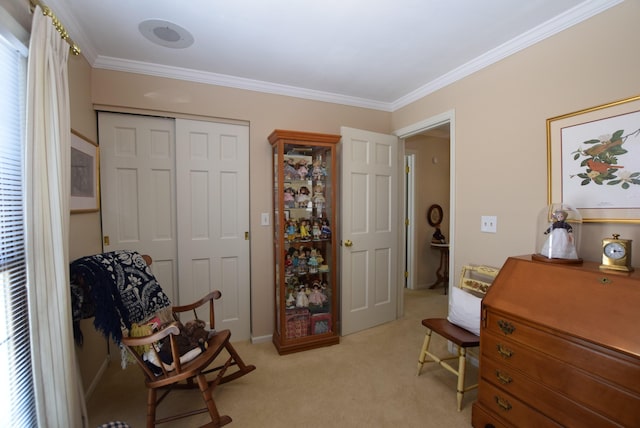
{"type": "Point", "coordinates": [178, 190]}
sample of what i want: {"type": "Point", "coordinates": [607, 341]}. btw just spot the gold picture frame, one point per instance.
{"type": "Point", "coordinates": [85, 176]}
{"type": "Point", "coordinates": [593, 161]}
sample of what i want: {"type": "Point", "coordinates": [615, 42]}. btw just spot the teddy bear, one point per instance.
{"type": "Point", "coordinates": [196, 331]}
{"type": "Point", "coordinates": [193, 334]}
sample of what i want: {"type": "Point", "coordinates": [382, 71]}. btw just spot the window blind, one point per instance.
{"type": "Point", "coordinates": [17, 399]}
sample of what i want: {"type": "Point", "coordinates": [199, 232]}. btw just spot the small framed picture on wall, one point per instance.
{"type": "Point", "coordinates": [85, 186]}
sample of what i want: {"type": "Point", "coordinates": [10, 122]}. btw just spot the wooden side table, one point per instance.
{"type": "Point", "coordinates": [443, 270]}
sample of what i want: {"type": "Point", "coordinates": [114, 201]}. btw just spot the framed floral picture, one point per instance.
{"type": "Point", "coordinates": [85, 186]}
{"type": "Point", "coordinates": [593, 161]}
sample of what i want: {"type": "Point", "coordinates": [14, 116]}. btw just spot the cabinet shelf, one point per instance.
{"type": "Point", "coordinates": [305, 212]}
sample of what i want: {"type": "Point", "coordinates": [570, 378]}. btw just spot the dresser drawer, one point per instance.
{"type": "Point", "coordinates": [565, 411]}
{"type": "Point", "coordinates": [577, 385]}
{"type": "Point", "coordinates": [481, 418]}
{"type": "Point", "coordinates": [513, 411]}
{"type": "Point", "coordinates": [612, 366]}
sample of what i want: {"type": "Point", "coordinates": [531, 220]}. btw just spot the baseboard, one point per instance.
{"type": "Point", "coordinates": [261, 339]}
{"type": "Point", "coordinates": [97, 378]}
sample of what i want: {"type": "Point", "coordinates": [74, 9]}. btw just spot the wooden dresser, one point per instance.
{"type": "Point", "coordinates": [559, 346]}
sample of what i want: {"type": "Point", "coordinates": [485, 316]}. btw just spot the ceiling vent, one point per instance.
{"type": "Point", "coordinates": [165, 33]}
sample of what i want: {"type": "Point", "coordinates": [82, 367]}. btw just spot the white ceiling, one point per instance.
{"type": "Point", "coordinates": [380, 54]}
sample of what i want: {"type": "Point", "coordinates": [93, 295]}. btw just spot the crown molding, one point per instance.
{"type": "Point", "coordinates": [574, 16]}
{"type": "Point", "coordinates": [555, 25]}
{"type": "Point", "coordinates": [150, 69]}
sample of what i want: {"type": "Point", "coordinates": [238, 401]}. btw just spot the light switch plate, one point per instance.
{"type": "Point", "coordinates": [489, 224]}
{"type": "Point", "coordinates": [264, 219]}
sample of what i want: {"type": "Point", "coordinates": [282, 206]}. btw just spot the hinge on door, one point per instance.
{"type": "Point", "coordinates": [105, 239]}
{"type": "Point", "coordinates": [406, 222]}
{"type": "Point", "coordinates": [246, 236]}
{"type": "Point", "coordinates": [407, 169]}
{"type": "Point", "coordinates": [406, 274]}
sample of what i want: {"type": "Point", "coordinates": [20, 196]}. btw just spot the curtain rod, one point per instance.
{"type": "Point", "coordinates": [46, 11]}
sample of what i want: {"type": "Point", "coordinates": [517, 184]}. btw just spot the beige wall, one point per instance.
{"type": "Point", "coordinates": [264, 112]}
{"type": "Point", "coordinates": [500, 134]}
{"type": "Point", "coordinates": [431, 187]}
{"type": "Point", "coordinates": [84, 229]}
{"type": "Point", "coordinates": [500, 115]}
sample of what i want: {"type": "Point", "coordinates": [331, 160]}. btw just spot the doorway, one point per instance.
{"type": "Point", "coordinates": [429, 145]}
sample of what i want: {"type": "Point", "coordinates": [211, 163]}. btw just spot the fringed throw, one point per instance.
{"type": "Point", "coordinates": [117, 288]}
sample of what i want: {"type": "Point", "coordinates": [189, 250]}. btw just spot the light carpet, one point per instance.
{"type": "Point", "coordinates": [369, 379]}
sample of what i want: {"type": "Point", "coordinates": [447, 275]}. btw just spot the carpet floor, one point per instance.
{"type": "Point", "coordinates": [368, 379]}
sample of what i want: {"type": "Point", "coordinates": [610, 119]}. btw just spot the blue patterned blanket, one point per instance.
{"type": "Point", "coordinates": [117, 288]}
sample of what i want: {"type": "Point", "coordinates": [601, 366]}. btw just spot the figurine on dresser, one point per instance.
{"type": "Point", "coordinates": [559, 243]}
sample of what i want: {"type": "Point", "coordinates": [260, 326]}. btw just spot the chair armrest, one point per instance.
{"type": "Point", "coordinates": [214, 295]}
{"type": "Point", "coordinates": [172, 330]}
{"type": "Point", "coordinates": [152, 338]}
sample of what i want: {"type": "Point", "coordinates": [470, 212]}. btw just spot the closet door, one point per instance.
{"type": "Point", "coordinates": [137, 180]}
{"type": "Point", "coordinates": [212, 179]}
{"type": "Point", "coordinates": [179, 190]}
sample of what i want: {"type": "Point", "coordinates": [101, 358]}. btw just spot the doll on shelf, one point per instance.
{"type": "Point", "coordinates": [305, 234]}
{"type": "Point", "coordinates": [291, 300]}
{"type": "Point", "coordinates": [288, 261]}
{"type": "Point", "coordinates": [318, 172]}
{"type": "Point", "coordinates": [302, 169]}
{"type": "Point", "coordinates": [303, 197]}
{"type": "Point", "coordinates": [318, 197]}
{"type": "Point", "coordinates": [317, 297]}
{"type": "Point", "coordinates": [302, 301]}
{"type": "Point", "coordinates": [291, 230]}
{"type": "Point", "coordinates": [325, 230]}
{"type": "Point", "coordinates": [559, 243]}
{"type": "Point", "coordinates": [313, 262]}
{"type": "Point", "coordinates": [290, 172]}
{"type": "Point", "coordinates": [315, 230]}
{"type": "Point", "coordinates": [289, 197]}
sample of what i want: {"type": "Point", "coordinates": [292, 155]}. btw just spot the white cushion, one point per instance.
{"type": "Point", "coordinates": [150, 356]}
{"type": "Point", "coordinates": [464, 310]}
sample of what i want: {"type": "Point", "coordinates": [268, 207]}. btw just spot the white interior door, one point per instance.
{"type": "Point", "coordinates": [369, 205]}
{"type": "Point", "coordinates": [137, 180]}
{"type": "Point", "coordinates": [212, 179]}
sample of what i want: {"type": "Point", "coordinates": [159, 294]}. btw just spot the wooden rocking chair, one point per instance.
{"type": "Point", "coordinates": [186, 371]}
{"type": "Point", "coordinates": [183, 374]}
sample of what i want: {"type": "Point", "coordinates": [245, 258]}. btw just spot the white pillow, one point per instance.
{"type": "Point", "coordinates": [464, 310]}
{"type": "Point", "coordinates": [150, 356]}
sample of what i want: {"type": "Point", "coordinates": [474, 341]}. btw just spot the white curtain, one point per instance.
{"type": "Point", "coordinates": [59, 398]}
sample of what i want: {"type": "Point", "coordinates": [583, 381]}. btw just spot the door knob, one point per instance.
{"type": "Point", "coordinates": [348, 243]}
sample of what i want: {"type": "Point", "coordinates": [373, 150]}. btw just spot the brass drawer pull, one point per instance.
{"type": "Point", "coordinates": [506, 327]}
{"type": "Point", "coordinates": [504, 404]}
{"type": "Point", "coordinates": [503, 378]}
{"type": "Point", "coordinates": [504, 351]}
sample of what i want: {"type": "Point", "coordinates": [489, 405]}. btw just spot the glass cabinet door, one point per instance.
{"type": "Point", "coordinates": [304, 243]}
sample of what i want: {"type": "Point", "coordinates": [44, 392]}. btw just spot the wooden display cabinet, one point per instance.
{"type": "Point", "coordinates": [304, 242]}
